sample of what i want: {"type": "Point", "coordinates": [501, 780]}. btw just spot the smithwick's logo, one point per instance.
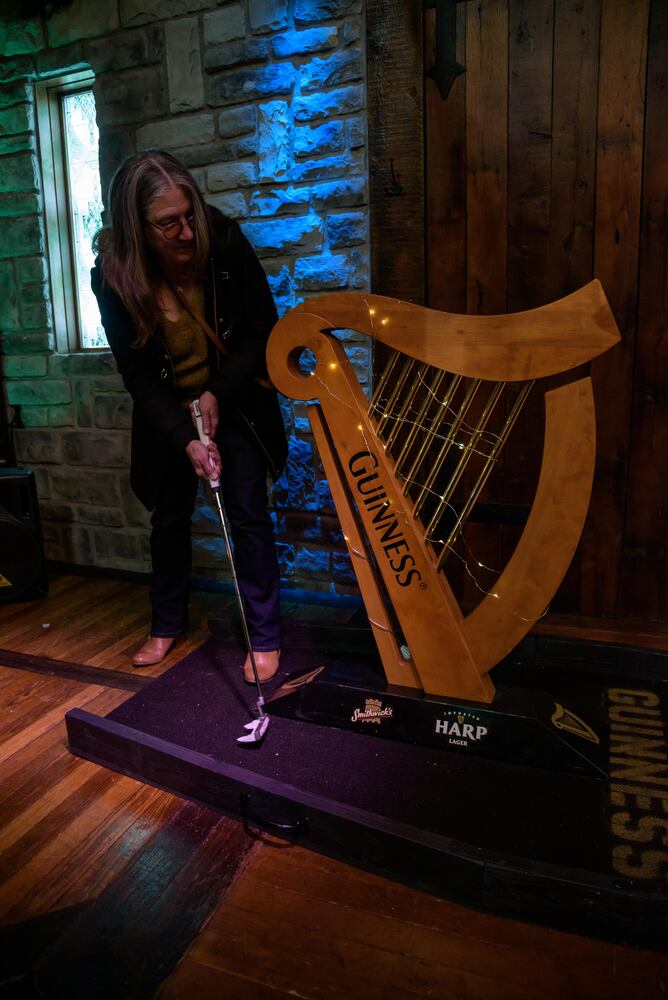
{"type": "Point", "coordinates": [373, 711]}
{"type": "Point", "coordinates": [461, 728]}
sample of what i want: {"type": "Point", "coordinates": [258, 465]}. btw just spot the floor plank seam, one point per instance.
{"type": "Point", "coordinates": [73, 671]}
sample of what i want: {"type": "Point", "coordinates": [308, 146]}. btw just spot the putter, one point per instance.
{"type": "Point", "coordinates": [257, 727]}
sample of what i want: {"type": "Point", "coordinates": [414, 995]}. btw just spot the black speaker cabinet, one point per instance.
{"type": "Point", "coordinates": [22, 568]}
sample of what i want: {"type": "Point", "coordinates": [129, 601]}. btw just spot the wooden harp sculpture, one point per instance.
{"type": "Point", "coordinates": [386, 462]}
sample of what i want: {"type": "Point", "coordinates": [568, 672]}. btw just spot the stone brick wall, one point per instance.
{"type": "Point", "coordinates": [265, 102]}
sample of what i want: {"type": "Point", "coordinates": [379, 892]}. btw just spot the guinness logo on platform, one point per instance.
{"type": "Point", "coordinates": [461, 728]}
{"type": "Point", "coordinates": [638, 786]}
{"type": "Point", "coordinates": [373, 711]}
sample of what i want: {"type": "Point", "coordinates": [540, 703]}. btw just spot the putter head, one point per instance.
{"type": "Point", "coordinates": [256, 730]}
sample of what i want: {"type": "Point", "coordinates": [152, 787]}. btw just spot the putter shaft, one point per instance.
{"type": "Point", "coordinates": [227, 538]}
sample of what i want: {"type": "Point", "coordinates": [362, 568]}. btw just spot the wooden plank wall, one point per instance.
{"type": "Point", "coordinates": [545, 167]}
{"type": "Point", "coordinates": [394, 59]}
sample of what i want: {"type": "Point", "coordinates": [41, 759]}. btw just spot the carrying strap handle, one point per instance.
{"type": "Point", "coordinates": [199, 319]}
{"type": "Point", "coordinates": [213, 337]}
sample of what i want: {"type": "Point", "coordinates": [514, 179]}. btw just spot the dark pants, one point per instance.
{"type": "Point", "coordinates": [244, 483]}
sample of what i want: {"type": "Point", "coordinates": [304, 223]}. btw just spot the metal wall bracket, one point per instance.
{"type": "Point", "coordinates": [446, 69]}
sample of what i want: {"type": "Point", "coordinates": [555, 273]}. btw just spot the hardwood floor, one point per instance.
{"type": "Point", "coordinates": [106, 884]}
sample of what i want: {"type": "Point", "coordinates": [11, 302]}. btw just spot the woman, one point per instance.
{"type": "Point", "coordinates": [187, 311]}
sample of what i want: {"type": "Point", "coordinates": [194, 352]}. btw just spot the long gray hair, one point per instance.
{"type": "Point", "coordinates": [127, 265]}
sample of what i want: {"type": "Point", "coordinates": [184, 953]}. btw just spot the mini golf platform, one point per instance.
{"type": "Point", "coordinates": [562, 821]}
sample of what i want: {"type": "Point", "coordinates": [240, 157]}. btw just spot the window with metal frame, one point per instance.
{"type": "Point", "coordinates": [69, 157]}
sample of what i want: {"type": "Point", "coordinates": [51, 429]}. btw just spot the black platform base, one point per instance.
{"type": "Point", "coordinates": [521, 726]}
{"type": "Point", "coordinates": [567, 849]}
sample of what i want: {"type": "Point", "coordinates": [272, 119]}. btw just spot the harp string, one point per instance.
{"type": "Point", "coordinates": [486, 470]}
{"type": "Point", "coordinates": [440, 417]}
{"type": "Point", "coordinates": [449, 441]}
{"type": "Point", "coordinates": [407, 371]}
{"type": "Point", "coordinates": [465, 457]}
{"type": "Point", "coordinates": [406, 407]}
{"type": "Point", "coordinates": [418, 422]}
{"type": "Point", "coordinates": [427, 416]}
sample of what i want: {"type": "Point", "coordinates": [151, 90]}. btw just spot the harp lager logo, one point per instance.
{"type": "Point", "coordinates": [461, 728]}
{"type": "Point", "coordinates": [373, 711]}
{"type": "Point", "coordinates": [367, 482]}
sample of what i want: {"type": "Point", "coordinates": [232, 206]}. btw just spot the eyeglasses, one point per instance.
{"type": "Point", "coordinates": [173, 229]}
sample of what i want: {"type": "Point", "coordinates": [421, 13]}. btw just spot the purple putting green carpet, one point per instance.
{"type": "Point", "coordinates": [202, 703]}
{"type": "Point", "coordinates": [533, 843]}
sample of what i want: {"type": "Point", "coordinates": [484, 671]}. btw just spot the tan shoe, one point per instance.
{"type": "Point", "coordinates": [266, 663]}
{"type": "Point", "coordinates": [154, 649]}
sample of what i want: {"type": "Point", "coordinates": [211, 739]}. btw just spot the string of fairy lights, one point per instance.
{"type": "Point", "coordinates": [465, 432]}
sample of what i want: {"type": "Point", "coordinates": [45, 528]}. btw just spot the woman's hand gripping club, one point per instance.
{"type": "Point", "coordinates": [258, 727]}
{"type": "Point", "coordinates": [203, 454]}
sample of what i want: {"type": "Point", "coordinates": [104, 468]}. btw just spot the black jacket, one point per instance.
{"type": "Point", "coordinates": [239, 307]}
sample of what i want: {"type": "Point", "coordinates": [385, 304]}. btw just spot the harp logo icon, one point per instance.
{"type": "Point", "coordinates": [461, 728]}
{"type": "Point", "coordinates": [373, 711]}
